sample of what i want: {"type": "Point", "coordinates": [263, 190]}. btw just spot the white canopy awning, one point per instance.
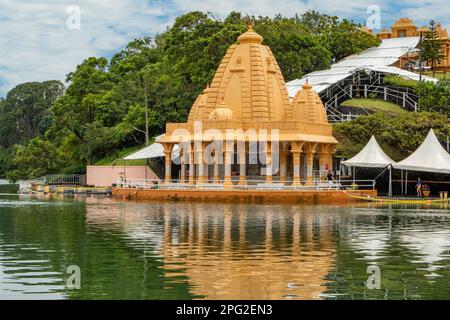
{"type": "Point", "coordinates": [155, 150]}
{"type": "Point", "coordinates": [399, 72]}
{"type": "Point", "coordinates": [429, 157]}
{"type": "Point", "coordinates": [371, 156]}
{"type": "Point", "coordinates": [379, 59]}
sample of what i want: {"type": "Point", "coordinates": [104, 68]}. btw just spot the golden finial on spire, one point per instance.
{"type": "Point", "coordinates": [250, 36]}
{"type": "Point", "coordinates": [306, 85]}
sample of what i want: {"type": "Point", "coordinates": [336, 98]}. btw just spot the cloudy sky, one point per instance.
{"type": "Point", "coordinates": [40, 39]}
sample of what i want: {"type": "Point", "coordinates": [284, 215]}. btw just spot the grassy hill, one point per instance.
{"type": "Point", "coordinates": [373, 106]}
{"type": "Point", "coordinates": [394, 80]}
{"type": "Point", "coordinates": [117, 158]}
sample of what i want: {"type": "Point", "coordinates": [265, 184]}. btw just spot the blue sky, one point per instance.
{"type": "Point", "coordinates": [37, 45]}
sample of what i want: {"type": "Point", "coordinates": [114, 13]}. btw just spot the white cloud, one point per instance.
{"type": "Point", "coordinates": [35, 44]}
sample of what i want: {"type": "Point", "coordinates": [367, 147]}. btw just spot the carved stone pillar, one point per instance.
{"type": "Point", "coordinates": [283, 165]}
{"type": "Point", "coordinates": [200, 162]}
{"type": "Point", "coordinates": [183, 166]}
{"type": "Point", "coordinates": [167, 148]}
{"type": "Point", "coordinates": [228, 153]}
{"type": "Point", "coordinates": [323, 164]}
{"type": "Point", "coordinates": [326, 158]}
{"type": "Point", "coordinates": [191, 165]}
{"type": "Point", "coordinates": [242, 166]}
{"type": "Point", "coordinates": [296, 149]}
{"type": "Point", "coordinates": [310, 150]}
{"type": "Point", "coordinates": [269, 163]}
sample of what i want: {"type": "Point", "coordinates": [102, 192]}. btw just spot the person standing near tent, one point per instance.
{"type": "Point", "coordinates": [419, 187]}
{"type": "Point", "coordinates": [330, 178]}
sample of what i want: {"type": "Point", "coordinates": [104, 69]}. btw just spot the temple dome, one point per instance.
{"type": "Point", "coordinates": [249, 81]}
{"type": "Point", "coordinates": [250, 36]}
{"type": "Point", "coordinates": [221, 113]}
{"type": "Point", "coordinates": [308, 107]}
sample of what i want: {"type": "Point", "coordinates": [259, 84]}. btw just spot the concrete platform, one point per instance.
{"type": "Point", "coordinates": [243, 196]}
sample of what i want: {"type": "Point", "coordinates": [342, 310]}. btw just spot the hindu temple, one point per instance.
{"type": "Point", "coordinates": [247, 96]}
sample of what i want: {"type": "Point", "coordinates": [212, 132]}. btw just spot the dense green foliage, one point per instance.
{"type": "Point", "coordinates": [109, 104]}
{"type": "Point", "coordinates": [435, 97]}
{"type": "Point", "coordinates": [24, 115]}
{"type": "Point", "coordinates": [398, 136]}
{"type": "Point", "coordinates": [34, 160]}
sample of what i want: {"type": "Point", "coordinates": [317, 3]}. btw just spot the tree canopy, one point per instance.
{"type": "Point", "coordinates": [434, 97]}
{"type": "Point", "coordinates": [431, 45]}
{"type": "Point", "coordinates": [110, 104]}
{"type": "Point", "coordinates": [398, 136]}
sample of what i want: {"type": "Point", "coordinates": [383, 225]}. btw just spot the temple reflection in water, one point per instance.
{"type": "Point", "coordinates": [221, 265]}
{"type": "Point", "coordinates": [286, 255]}
{"type": "Point", "coordinates": [279, 252]}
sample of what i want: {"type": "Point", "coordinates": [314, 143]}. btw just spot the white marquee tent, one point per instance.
{"type": "Point", "coordinates": [372, 156]}
{"type": "Point", "coordinates": [429, 157]}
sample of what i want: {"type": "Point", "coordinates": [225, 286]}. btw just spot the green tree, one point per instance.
{"type": "Point", "coordinates": [24, 108]}
{"type": "Point", "coordinates": [341, 38]}
{"type": "Point", "coordinates": [297, 51]}
{"type": "Point", "coordinates": [135, 56]}
{"type": "Point", "coordinates": [87, 100]}
{"type": "Point", "coordinates": [431, 46]}
{"type": "Point", "coordinates": [112, 105]}
{"type": "Point", "coordinates": [36, 159]}
{"type": "Point", "coordinates": [398, 136]}
{"type": "Point", "coordinates": [434, 97]}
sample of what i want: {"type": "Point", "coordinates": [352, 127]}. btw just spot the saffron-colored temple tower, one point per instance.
{"type": "Point", "coordinates": [248, 94]}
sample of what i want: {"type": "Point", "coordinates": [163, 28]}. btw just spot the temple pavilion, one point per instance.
{"type": "Point", "coordinates": [248, 96]}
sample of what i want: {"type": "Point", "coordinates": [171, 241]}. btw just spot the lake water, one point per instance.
{"type": "Point", "coordinates": [131, 250]}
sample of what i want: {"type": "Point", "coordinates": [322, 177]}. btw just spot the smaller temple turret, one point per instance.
{"type": "Point", "coordinates": [307, 106]}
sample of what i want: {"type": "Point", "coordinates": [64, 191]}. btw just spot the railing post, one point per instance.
{"type": "Point", "coordinates": [404, 100]}
{"type": "Point", "coordinates": [385, 93]}
{"type": "Point", "coordinates": [365, 91]}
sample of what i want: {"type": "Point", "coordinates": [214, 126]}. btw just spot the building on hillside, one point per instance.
{"type": "Point", "coordinates": [362, 75]}
{"type": "Point", "coordinates": [246, 100]}
{"type": "Point", "coordinates": [404, 27]}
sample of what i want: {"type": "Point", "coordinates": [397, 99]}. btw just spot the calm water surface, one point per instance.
{"type": "Point", "coordinates": [129, 250]}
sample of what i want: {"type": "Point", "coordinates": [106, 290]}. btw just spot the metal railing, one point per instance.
{"type": "Point", "coordinates": [236, 184]}
{"type": "Point", "coordinates": [64, 179]}
{"type": "Point", "coordinates": [403, 96]}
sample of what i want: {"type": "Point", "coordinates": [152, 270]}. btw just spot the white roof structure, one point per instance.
{"type": "Point", "coordinates": [371, 156]}
{"type": "Point", "coordinates": [155, 150]}
{"type": "Point", "coordinates": [373, 59]}
{"type": "Point", "coordinates": [429, 157]}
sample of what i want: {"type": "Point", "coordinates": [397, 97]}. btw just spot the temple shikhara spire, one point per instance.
{"type": "Point", "coordinates": [248, 92]}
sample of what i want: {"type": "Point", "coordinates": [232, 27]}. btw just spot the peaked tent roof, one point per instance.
{"type": "Point", "coordinates": [371, 156]}
{"type": "Point", "coordinates": [429, 157]}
